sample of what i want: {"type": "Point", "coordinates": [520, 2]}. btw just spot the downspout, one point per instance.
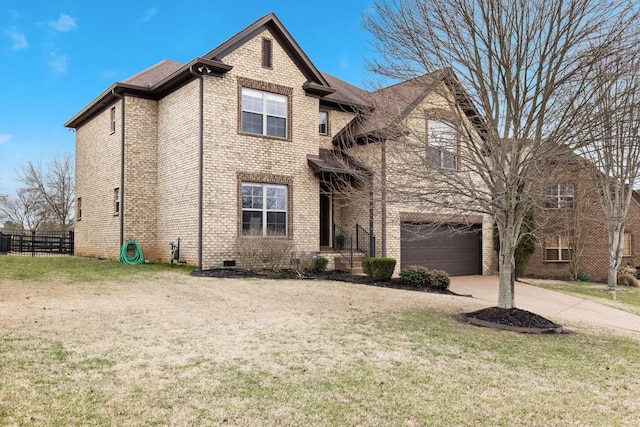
{"type": "Point", "coordinates": [383, 197]}
{"type": "Point", "coordinates": [122, 115]}
{"type": "Point", "coordinates": [200, 161]}
{"type": "Point", "coordinates": [372, 250]}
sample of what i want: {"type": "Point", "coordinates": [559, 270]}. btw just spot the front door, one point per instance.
{"type": "Point", "coordinates": [325, 219]}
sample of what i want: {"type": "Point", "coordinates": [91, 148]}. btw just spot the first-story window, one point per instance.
{"type": "Point", "coordinates": [557, 249]}
{"type": "Point", "coordinates": [79, 209]}
{"type": "Point", "coordinates": [116, 201]}
{"type": "Point", "coordinates": [626, 248]}
{"type": "Point", "coordinates": [264, 209]}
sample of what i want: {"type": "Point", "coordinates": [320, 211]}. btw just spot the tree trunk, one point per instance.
{"type": "Point", "coordinates": [616, 239]}
{"type": "Point", "coordinates": [507, 273]}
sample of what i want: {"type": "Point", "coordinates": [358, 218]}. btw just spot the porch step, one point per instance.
{"type": "Point", "coordinates": [342, 264]}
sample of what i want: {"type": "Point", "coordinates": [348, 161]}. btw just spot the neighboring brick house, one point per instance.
{"type": "Point", "coordinates": [248, 136]}
{"type": "Point", "coordinates": [572, 234]}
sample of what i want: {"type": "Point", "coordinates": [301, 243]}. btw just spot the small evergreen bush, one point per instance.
{"type": "Point", "coordinates": [320, 264]}
{"type": "Point", "coordinates": [583, 276]}
{"type": "Point", "coordinates": [416, 276]}
{"type": "Point", "coordinates": [441, 280]}
{"type": "Point", "coordinates": [366, 266]}
{"type": "Point", "coordinates": [379, 268]}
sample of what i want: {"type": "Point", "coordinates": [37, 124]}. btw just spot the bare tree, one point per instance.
{"type": "Point", "coordinates": [614, 147]}
{"type": "Point", "coordinates": [53, 187]}
{"type": "Point", "coordinates": [26, 208]}
{"type": "Point", "coordinates": [527, 66]}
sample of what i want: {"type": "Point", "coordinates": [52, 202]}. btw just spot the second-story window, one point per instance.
{"type": "Point", "coordinates": [559, 196]}
{"type": "Point", "coordinates": [267, 53]}
{"type": "Point", "coordinates": [264, 113]}
{"type": "Point", "coordinates": [113, 120]}
{"type": "Point", "coordinates": [443, 145]}
{"type": "Point", "coordinates": [323, 122]}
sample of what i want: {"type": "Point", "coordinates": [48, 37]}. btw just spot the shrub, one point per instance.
{"type": "Point", "coordinates": [249, 249]}
{"type": "Point", "coordinates": [276, 251]}
{"type": "Point", "coordinates": [379, 268]}
{"type": "Point", "coordinates": [302, 262]}
{"type": "Point", "coordinates": [627, 276]}
{"type": "Point", "coordinates": [255, 251]}
{"type": "Point", "coordinates": [366, 266]}
{"type": "Point", "coordinates": [320, 264]}
{"type": "Point", "coordinates": [583, 276]}
{"type": "Point", "coordinates": [441, 280]}
{"type": "Point", "coordinates": [628, 280]}
{"type": "Point", "coordinates": [416, 276]}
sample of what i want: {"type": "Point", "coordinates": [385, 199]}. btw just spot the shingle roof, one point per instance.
{"type": "Point", "coordinates": [346, 93]}
{"type": "Point", "coordinates": [155, 73]}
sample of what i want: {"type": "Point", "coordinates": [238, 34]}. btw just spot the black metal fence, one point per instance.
{"type": "Point", "coordinates": [36, 243]}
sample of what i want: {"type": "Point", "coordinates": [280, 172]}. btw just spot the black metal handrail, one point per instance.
{"type": "Point", "coordinates": [365, 242]}
{"type": "Point", "coordinates": [343, 244]}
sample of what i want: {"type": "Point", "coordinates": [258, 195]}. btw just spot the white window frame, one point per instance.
{"type": "Point", "coordinates": [323, 122]}
{"type": "Point", "coordinates": [559, 196]}
{"type": "Point", "coordinates": [113, 120]}
{"type": "Point", "coordinates": [442, 139]}
{"type": "Point", "coordinates": [561, 243]}
{"type": "Point", "coordinates": [267, 105]}
{"type": "Point", "coordinates": [264, 204]}
{"type": "Point", "coordinates": [116, 201]}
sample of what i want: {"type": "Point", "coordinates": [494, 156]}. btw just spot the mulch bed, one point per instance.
{"type": "Point", "coordinates": [341, 276]}
{"type": "Point", "coordinates": [494, 317]}
{"type": "Point", "coordinates": [513, 319]}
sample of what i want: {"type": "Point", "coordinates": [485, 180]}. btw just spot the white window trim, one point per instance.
{"type": "Point", "coordinates": [265, 210]}
{"type": "Point", "coordinates": [112, 120]}
{"type": "Point", "coordinates": [264, 113]}
{"type": "Point", "coordinates": [326, 123]}
{"type": "Point", "coordinates": [562, 199]}
{"type": "Point", "coordinates": [443, 147]}
{"type": "Point", "coordinates": [116, 201]}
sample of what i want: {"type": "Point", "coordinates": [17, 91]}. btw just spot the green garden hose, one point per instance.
{"type": "Point", "coordinates": [136, 258]}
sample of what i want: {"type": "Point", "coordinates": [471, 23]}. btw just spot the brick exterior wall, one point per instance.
{"type": "Point", "coordinates": [140, 176]}
{"type": "Point", "coordinates": [98, 149]}
{"type": "Point", "coordinates": [161, 192]}
{"type": "Point", "coordinates": [230, 154]}
{"type": "Point", "coordinates": [178, 164]}
{"type": "Point", "coordinates": [585, 222]}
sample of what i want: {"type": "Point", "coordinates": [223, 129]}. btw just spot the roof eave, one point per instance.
{"type": "Point", "coordinates": [165, 86]}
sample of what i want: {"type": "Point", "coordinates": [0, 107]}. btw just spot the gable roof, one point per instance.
{"type": "Point", "coordinates": [390, 105]}
{"type": "Point", "coordinates": [271, 22]}
{"type": "Point", "coordinates": [166, 76]}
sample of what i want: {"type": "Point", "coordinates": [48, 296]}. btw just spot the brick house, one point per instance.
{"type": "Point", "coordinates": [251, 136]}
{"type": "Point", "coordinates": [572, 234]}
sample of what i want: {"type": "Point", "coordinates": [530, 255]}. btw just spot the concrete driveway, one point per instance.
{"type": "Point", "coordinates": [564, 309]}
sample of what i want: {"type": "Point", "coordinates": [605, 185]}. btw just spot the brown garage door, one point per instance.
{"type": "Point", "coordinates": [454, 248]}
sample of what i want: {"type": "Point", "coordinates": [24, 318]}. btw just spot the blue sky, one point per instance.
{"type": "Point", "coordinates": [57, 56]}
